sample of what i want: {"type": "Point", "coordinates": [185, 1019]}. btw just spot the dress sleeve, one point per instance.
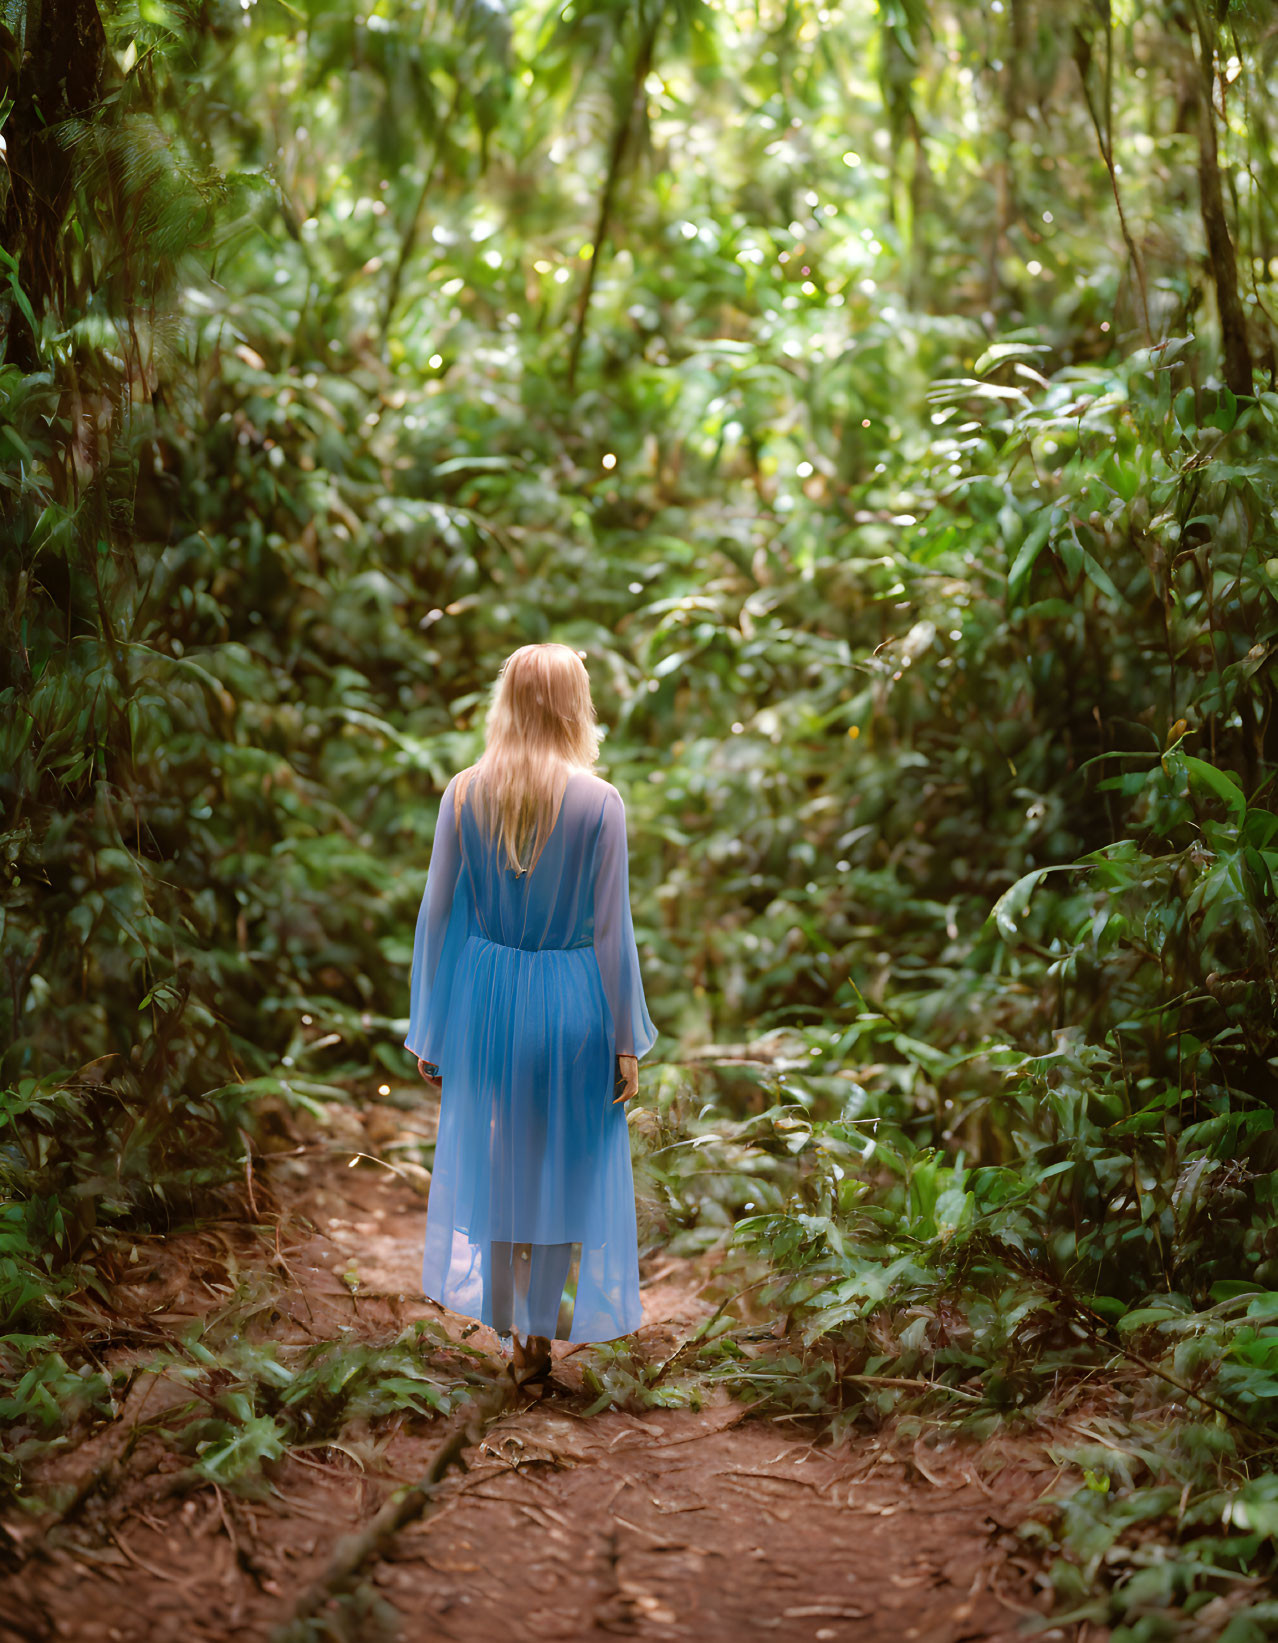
{"type": "Point", "coordinates": [438, 939]}
{"type": "Point", "coordinates": [614, 934]}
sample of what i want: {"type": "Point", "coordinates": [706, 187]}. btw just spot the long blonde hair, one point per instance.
{"type": "Point", "coordinates": [541, 726]}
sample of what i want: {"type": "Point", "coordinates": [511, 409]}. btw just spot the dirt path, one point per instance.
{"type": "Point", "coordinates": [705, 1524]}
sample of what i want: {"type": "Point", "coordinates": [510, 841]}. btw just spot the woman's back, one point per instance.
{"type": "Point", "coordinates": [575, 898]}
{"type": "Point", "coordinates": [554, 904]}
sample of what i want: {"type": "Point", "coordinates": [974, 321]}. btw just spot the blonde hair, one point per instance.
{"type": "Point", "coordinates": [541, 727]}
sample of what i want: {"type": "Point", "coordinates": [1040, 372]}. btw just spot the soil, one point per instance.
{"type": "Point", "coordinates": [708, 1524]}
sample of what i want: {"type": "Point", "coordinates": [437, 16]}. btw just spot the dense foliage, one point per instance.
{"type": "Point", "coordinates": [882, 399]}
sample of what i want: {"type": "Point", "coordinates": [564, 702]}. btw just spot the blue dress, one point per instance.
{"type": "Point", "coordinates": [525, 987]}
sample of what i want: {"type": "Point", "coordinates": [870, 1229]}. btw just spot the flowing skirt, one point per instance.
{"type": "Point", "coordinates": [531, 1219]}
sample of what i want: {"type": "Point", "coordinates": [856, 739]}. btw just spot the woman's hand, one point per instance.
{"type": "Point", "coordinates": [432, 1078]}
{"type": "Point", "coordinates": [629, 1068]}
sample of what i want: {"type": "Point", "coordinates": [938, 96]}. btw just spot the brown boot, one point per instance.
{"type": "Point", "coordinates": [530, 1365]}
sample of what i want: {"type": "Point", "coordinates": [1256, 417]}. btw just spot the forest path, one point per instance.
{"type": "Point", "coordinates": [674, 1524]}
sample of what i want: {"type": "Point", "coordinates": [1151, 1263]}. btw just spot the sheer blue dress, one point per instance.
{"type": "Point", "coordinates": [525, 987]}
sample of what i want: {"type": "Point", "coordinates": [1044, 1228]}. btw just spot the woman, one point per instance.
{"type": "Point", "coordinates": [527, 1006]}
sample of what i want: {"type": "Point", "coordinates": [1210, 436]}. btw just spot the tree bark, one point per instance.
{"type": "Point", "coordinates": [1220, 247]}
{"type": "Point", "coordinates": [52, 67]}
{"type": "Point", "coordinates": [409, 240]}
{"type": "Point", "coordinates": [1102, 118]}
{"type": "Point", "coordinates": [620, 142]}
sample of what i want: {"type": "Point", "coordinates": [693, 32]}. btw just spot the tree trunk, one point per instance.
{"type": "Point", "coordinates": [1102, 118]}
{"type": "Point", "coordinates": [1220, 248]}
{"type": "Point", "coordinates": [409, 240]}
{"type": "Point", "coordinates": [51, 57]}
{"type": "Point", "coordinates": [620, 142]}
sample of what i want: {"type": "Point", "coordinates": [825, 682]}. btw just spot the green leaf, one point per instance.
{"type": "Point", "coordinates": [1013, 904]}
{"type": "Point", "coordinates": [19, 444]}
{"type": "Point", "coordinates": [998, 353]}
{"type": "Point", "coordinates": [20, 297]}
{"type": "Point", "coordinates": [1219, 783]}
{"type": "Point", "coordinates": [1029, 550]}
